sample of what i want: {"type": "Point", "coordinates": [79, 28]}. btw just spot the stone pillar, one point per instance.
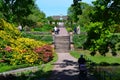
{"type": "Point", "coordinates": [71, 41]}
{"type": "Point", "coordinates": [71, 37]}
{"type": "Point", "coordinates": [53, 43]}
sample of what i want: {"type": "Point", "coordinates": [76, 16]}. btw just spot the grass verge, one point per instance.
{"type": "Point", "coordinates": [97, 58]}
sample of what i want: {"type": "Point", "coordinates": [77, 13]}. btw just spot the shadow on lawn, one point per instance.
{"type": "Point", "coordinates": [65, 73]}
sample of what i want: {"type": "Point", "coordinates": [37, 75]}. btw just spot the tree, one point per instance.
{"type": "Point", "coordinates": [37, 16]}
{"type": "Point", "coordinates": [84, 18]}
{"type": "Point", "coordinates": [99, 33]}
{"type": "Point", "coordinates": [75, 10]}
{"type": "Point", "coordinates": [16, 10]}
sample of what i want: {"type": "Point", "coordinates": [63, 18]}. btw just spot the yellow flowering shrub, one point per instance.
{"type": "Point", "coordinates": [21, 50]}
{"type": "Point", "coordinates": [10, 29]}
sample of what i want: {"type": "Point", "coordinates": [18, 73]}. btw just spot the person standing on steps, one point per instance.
{"type": "Point", "coordinates": [78, 29]}
{"type": "Point", "coordinates": [75, 30]}
{"type": "Point", "coordinates": [58, 30]}
{"type": "Point", "coordinates": [55, 30]}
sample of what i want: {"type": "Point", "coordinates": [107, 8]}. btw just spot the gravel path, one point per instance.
{"type": "Point", "coordinates": [66, 68]}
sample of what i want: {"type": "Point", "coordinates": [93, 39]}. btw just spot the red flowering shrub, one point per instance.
{"type": "Point", "coordinates": [45, 52]}
{"type": "Point", "coordinates": [8, 49]}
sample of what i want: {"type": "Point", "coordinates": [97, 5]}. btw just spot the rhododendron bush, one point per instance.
{"type": "Point", "coordinates": [18, 50]}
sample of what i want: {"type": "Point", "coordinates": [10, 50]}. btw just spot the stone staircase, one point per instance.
{"type": "Point", "coordinates": [62, 44]}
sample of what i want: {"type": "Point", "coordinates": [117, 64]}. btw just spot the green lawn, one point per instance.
{"type": "Point", "coordinates": [97, 58]}
{"type": "Point", "coordinates": [39, 37]}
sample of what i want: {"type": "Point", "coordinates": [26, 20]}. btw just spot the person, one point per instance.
{"type": "Point", "coordinates": [78, 30]}
{"type": "Point", "coordinates": [82, 68]}
{"type": "Point", "coordinates": [55, 30]}
{"type": "Point", "coordinates": [82, 64]}
{"type": "Point", "coordinates": [20, 27]}
{"type": "Point", "coordinates": [58, 30]}
{"type": "Point", "coordinates": [81, 60]}
{"type": "Point", "coordinates": [75, 30]}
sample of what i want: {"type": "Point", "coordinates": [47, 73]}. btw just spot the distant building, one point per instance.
{"type": "Point", "coordinates": [59, 17]}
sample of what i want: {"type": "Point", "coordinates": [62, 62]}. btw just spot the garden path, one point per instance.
{"type": "Point", "coordinates": [66, 68]}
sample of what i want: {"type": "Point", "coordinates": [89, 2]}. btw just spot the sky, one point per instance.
{"type": "Point", "coordinates": [56, 7]}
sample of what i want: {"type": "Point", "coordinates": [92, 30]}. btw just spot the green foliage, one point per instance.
{"type": "Point", "coordinates": [98, 38]}
{"type": "Point", "coordinates": [36, 19]}
{"type": "Point", "coordinates": [79, 40]}
{"type": "Point", "coordinates": [84, 18]}
{"type": "Point", "coordinates": [74, 11]}
{"type": "Point", "coordinates": [102, 24]}
{"type": "Point", "coordinates": [25, 13]}
{"type": "Point", "coordinates": [15, 10]}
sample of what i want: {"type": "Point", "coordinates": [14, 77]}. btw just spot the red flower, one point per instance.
{"type": "Point", "coordinates": [8, 48]}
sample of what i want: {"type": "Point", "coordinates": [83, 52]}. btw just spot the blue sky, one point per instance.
{"type": "Point", "coordinates": [56, 7]}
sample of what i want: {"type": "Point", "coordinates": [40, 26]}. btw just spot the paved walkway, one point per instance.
{"type": "Point", "coordinates": [63, 32]}
{"type": "Point", "coordinates": [66, 68]}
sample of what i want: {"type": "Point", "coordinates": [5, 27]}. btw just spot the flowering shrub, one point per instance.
{"type": "Point", "coordinates": [19, 50]}
{"type": "Point", "coordinates": [45, 52]}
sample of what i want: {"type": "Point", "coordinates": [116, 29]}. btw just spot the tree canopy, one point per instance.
{"type": "Point", "coordinates": [104, 16]}
{"type": "Point", "coordinates": [15, 10]}
{"type": "Point", "coordinates": [23, 12]}
{"type": "Point", "coordinates": [75, 10]}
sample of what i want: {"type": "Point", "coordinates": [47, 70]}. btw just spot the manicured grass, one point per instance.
{"type": "Point", "coordinates": [5, 67]}
{"type": "Point", "coordinates": [97, 58]}
{"type": "Point", "coordinates": [43, 37]}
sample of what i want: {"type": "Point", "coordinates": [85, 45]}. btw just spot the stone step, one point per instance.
{"type": "Point", "coordinates": [62, 51]}
{"type": "Point", "coordinates": [62, 41]}
{"type": "Point", "coordinates": [62, 38]}
{"type": "Point", "coordinates": [62, 47]}
{"type": "Point", "coordinates": [62, 44]}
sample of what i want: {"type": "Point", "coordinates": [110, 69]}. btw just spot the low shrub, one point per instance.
{"type": "Point", "coordinates": [104, 64]}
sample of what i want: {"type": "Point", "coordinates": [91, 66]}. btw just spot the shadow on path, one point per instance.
{"type": "Point", "coordinates": [64, 71]}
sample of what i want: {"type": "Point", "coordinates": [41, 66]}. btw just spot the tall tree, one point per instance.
{"type": "Point", "coordinates": [75, 10]}
{"type": "Point", "coordinates": [15, 10]}
{"type": "Point", "coordinates": [84, 18]}
{"type": "Point", "coordinates": [36, 16]}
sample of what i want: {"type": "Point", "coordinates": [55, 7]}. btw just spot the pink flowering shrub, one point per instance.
{"type": "Point", "coordinates": [45, 52]}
